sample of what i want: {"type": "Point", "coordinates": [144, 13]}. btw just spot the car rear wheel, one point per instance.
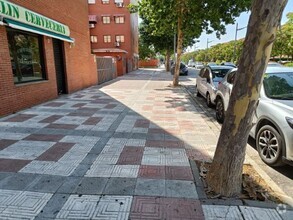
{"type": "Point", "coordinates": [269, 145]}
{"type": "Point", "coordinates": [208, 100]}
{"type": "Point", "coordinates": [220, 112]}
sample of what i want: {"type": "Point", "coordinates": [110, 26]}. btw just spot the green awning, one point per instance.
{"type": "Point", "coordinates": [33, 29]}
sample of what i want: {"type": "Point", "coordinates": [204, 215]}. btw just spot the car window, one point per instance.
{"type": "Point", "coordinates": [201, 73]}
{"type": "Point", "coordinates": [219, 74]}
{"type": "Point", "coordinates": [231, 77]}
{"type": "Point", "coordinates": [279, 85]}
{"type": "Point", "coordinates": [206, 73]}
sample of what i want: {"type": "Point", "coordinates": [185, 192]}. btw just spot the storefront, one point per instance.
{"type": "Point", "coordinates": [39, 53]}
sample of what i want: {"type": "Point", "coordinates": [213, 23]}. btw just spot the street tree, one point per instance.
{"type": "Point", "coordinates": [225, 174]}
{"type": "Point", "coordinates": [162, 43]}
{"type": "Point", "coordinates": [188, 19]}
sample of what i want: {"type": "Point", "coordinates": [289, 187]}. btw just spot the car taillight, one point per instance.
{"type": "Point", "coordinates": [290, 121]}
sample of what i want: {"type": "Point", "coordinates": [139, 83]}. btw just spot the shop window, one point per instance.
{"type": "Point", "coordinates": [105, 2]}
{"type": "Point", "coordinates": [92, 1]}
{"type": "Point", "coordinates": [107, 39]}
{"type": "Point", "coordinates": [119, 19]}
{"type": "Point", "coordinates": [94, 39]}
{"type": "Point", "coordinates": [106, 20]}
{"type": "Point", "coordinates": [119, 3]}
{"type": "Point", "coordinates": [27, 56]}
{"type": "Point", "coordinates": [120, 38]}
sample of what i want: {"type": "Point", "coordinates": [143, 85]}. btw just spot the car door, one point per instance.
{"type": "Point", "coordinates": [206, 80]}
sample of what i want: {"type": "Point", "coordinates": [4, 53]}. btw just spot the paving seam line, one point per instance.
{"type": "Point", "coordinates": [279, 192]}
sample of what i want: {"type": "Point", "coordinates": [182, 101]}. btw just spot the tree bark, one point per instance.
{"type": "Point", "coordinates": [225, 174]}
{"type": "Point", "coordinates": [167, 61]}
{"type": "Point", "coordinates": [179, 46]}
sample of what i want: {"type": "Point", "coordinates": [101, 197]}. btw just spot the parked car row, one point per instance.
{"type": "Point", "coordinates": [273, 119]}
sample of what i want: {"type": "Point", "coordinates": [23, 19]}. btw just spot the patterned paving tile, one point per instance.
{"type": "Point", "coordinates": [13, 136]}
{"type": "Point", "coordinates": [161, 157]}
{"type": "Point", "coordinates": [12, 165]}
{"type": "Point", "coordinates": [71, 120]}
{"type": "Point", "coordinates": [213, 212]}
{"type": "Point", "coordinates": [129, 171]}
{"type": "Point", "coordinates": [92, 121]}
{"type": "Point", "coordinates": [136, 142]}
{"type": "Point", "coordinates": [96, 207]}
{"type": "Point", "coordinates": [23, 205]}
{"type": "Point", "coordinates": [113, 207]}
{"type": "Point", "coordinates": [25, 150]}
{"type": "Point", "coordinates": [251, 213]}
{"type": "Point", "coordinates": [157, 208]}
{"type": "Point", "coordinates": [79, 207]}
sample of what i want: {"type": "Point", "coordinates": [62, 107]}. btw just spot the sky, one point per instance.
{"type": "Point", "coordinates": [242, 21]}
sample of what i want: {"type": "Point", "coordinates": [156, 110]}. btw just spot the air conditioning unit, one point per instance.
{"type": "Point", "coordinates": [92, 25]}
{"type": "Point", "coordinates": [119, 4]}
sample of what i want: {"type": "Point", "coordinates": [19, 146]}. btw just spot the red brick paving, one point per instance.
{"type": "Point", "coordinates": [197, 155]}
{"type": "Point", "coordinates": [165, 208]}
{"type": "Point", "coordinates": [142, 123]}
{"type": "Point", "coordinates": [44, 137]}
{"type": "Point", "coordinates": [152, 172]}
{"type": "Point", "coordinates": [110, 106]}
{"type": "Point", "coordinates": [178, 173]}
{"type": "Point", "coordinates": [78, 105]}
{"type": "Point", "coordinates": [156, 131]}
{"type": "Point", "coordinates": [51, 119]}
{"type": "Point", "coordinates": [12, 165]}
{"type": "Point", "coordinates": [20, 118]}
{"type": "Point", "coordinates": [6, 143]}
{"type": "Point", "coordinates": [130, 156]}
{"type": "Point", "coordinates": [166, 144]}
{"type": "Point", "coordinates": [55, 104]}
{"type": "Point", "coordinates": [62, 126]}
{"type": "Point", "coordinates": [92, 121]}
{"type": "Point", "coordinates": [55, 152]}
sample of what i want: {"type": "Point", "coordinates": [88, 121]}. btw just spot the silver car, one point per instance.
{"type": "Point", "coordinates": [273, 129]}
{"type": "Point", "coordinates": [207, 82]}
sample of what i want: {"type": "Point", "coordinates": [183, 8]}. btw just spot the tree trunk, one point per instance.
{"type": "Point", "coordinates": [179, 47]}
{"type": "Point", "coordinates": [167, 61]}
{"type": "Point", "coordinates": [225, 174]}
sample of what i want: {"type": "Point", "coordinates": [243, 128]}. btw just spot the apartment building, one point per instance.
{"type": "Point", "coordinates": [44, 51]}
{"type": "Point", "coordinates": [114, 32]}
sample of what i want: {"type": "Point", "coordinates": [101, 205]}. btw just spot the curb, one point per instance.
{"type": "Point", "coordinates": [279, 192]}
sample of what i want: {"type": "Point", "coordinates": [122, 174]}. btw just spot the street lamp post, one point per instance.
{"type": "Point", "coordinates": [207, 47]}
{"type": "Point", "coordinates": [237, 29]}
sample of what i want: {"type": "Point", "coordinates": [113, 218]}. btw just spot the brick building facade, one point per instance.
{"type": "Point", "coordinates": [114, 32]}
{"type": "Point", "coordinates": [46, 53]}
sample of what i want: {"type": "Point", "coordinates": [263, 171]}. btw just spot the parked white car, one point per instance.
{"type": "Point", "coordinates": [273, 129]}
{"type": "Point", "coordinates": [207, 82]}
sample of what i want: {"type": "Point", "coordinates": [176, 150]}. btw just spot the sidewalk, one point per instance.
{"type": "Point", "coordinates": [116, 151]}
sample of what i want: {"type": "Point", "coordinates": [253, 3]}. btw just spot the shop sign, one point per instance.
{"type": "Point", "coordinates": [23, 15]}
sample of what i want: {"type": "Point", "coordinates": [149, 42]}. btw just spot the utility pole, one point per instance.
{"type": "Point", "coordinates": [234, 51]}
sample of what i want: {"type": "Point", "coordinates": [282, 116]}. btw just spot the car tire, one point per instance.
{"type": "Point", "coordinates": [220, 111]}
{"type": "Point", "coordinates": [269, 145]}
{"type": "Point", "coordinates": [208, 100]}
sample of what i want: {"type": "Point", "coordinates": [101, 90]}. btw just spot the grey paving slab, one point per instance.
{"type": "Point", "coordinates": [47, 183]}
{"type": "Point", "coordinates": [91, 186]}
{"type": "Point", "coordinates": [150, 187]}
{"type": "Point", "coordinates": [214, 212]}
{"type": "Point", "coordinates": [90, 158]}
{"type": "Point", "coordinates": [81, 170]}
{"type": "Point", "coordinates": [255, 213]}
{"type": "Point", "coordinates": [18, 181]}
{"type": "Point", "coordinates": [181, 189]}
{"type": "Point", "coordinates": [286, 215]}
{"type": "Point", "coordinates": [69, 185]}
{"type": "Point", "coordinates": [53, 207]}
{"type": "Point", "coordinates": [120, 186]}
